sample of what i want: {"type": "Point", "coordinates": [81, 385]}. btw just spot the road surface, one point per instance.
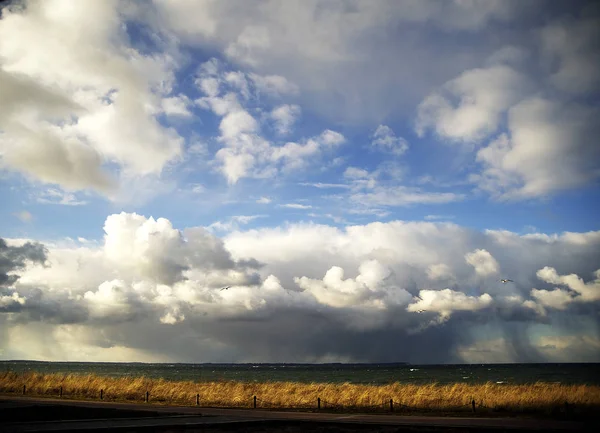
{"type": "Point", "coordinates": [189, 417]}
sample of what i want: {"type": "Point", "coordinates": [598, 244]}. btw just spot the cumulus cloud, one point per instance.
{"type": "Point", "coordinates": [368, 289]}
{"type": "Point", "coordinates": [469, 108]}
{"type": "Point", "coordinates": [558, 299]}
{"type": "Point", "coordinates": [68, 109]}
{"type": "Point", "coordinates": [284, 117]}
{"type": "Point", "coordinates": [177, 106]}
{"type": "Point", "coordinates": [293, 156]}
{"type": "Point", "coordinates": [245, 152]}
{"type": "Point", "coordinates": [15, 257]}
{"type": "Point", "coordinates": [579, 291]}
{"type": "Point", "coordinates": [549, 148]}
{"type": "Point", "coordinates": [446, 301]}
{"type": "Point", "coordinates": [152, 289]}
{"type": "Point", "coordinates": [483, 262]}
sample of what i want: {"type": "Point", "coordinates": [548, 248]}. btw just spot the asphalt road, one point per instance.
{"type": "Point", "coordinates": [188, 416]}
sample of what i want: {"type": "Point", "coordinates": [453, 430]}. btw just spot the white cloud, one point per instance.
{"type": "Point", "coordinates": [245, 152]}
{"type": "Point", "coordinates": [264, 200]}
{"type": "Point", "coordinates": [156, 278]}
{"type": "Point", "coordinates": [447, 301]}
{"type": "Point", "coordinates": [586, 292]}
{"type": "Point", "coordinates": [237, 123]}
{"type": "Point", "coordinates": [558, 299]}
{"type": "Point", "coordinates": [367, 289]}
{"type": "Point", "coordinates": [386, 140]}
{"type": "Point", "coordinates": [439, 271]}
{"type": "Point", "coordinates": [295, 206]}
{"type": "Point", "coordinates": [7, 301]}
{"type": "Point", "coordinates": [484, 263]}
{"type": "Point", "coordinates": [284, 117]}
{"type": "Point", "coordinates": [70, 108]}
{"type": "Point", "coordinates": [356, 173]}
{"type": "Point", "coordinates": [549, 148]}
{"type": "Point", "coordinates": [470, 107]}
{"type": "Point", "coordinates": [176, 106]}
{"type": "Point", "coordinates": [109, 301]}
{"type": "Point", "coordinates": [293, 156]}
{"type": "Point", "coordinates": [239, 81]}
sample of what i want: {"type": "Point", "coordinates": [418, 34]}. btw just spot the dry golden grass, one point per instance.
{"type": "Point", "coordinates": [539, 397]}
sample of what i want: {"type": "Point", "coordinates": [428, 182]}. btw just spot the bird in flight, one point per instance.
{"type": "Point", "coordinates": [506, 281]}
{"type": "Point", "coordinates": [224, 288]}
{"type": "Point", "coordinates": [420, 311]}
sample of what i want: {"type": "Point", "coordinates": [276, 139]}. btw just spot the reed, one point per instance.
{"type": "Point", "coordinates": [536, 397]}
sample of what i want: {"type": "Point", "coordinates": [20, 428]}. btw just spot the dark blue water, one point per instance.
{"type": "Point", "coordinates": [328, 373]}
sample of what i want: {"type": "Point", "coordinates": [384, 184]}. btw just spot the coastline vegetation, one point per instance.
{"type": "Point", "coordinates": [543, 398]}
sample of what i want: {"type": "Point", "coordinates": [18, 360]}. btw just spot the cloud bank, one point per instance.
{"type": "Point", "coordinates": [397, 291]}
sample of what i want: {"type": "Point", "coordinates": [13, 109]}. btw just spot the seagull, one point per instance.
{"type": "Point", "coordinates": [506, 281]}
{"type": "Point", "coordinates": [224, 288]}
{"type": "Point", "coordinates": [420, 311]}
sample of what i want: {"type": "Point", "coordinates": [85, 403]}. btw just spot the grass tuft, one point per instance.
{"type": "Point", "coordinates": [531, 398]}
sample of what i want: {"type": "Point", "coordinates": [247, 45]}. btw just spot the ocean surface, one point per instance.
{"type": "Point", "coordinates": [375, 374]}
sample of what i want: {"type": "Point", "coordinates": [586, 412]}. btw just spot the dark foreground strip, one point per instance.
{"type": "Point", "coordinates": [218, 419]}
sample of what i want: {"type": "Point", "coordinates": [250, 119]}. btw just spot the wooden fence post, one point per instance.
{"type": "Point", "coordinates": [147, 396]}
{"type": "Point", "coordinates": [391, 404]}
{"type": "Point", "coordinates": [101, 392]}
{"type": "Point", "coordinates": [319, 403]}
{"type": "Point", "coordinates": [61, 392]}
{"type": "Point", "coordinates": [23, 389]}
{"type": "Point", "coordinates": [473, 404]}
{"type": "Point", "coordinates": [254, 402]}
{"type": "Point", "coordinates": [197, 399]}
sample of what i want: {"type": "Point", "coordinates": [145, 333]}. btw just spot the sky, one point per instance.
{"type": "Point", "coordinates": [360, 174]}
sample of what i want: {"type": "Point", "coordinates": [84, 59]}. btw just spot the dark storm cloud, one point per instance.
{"type": "Point", "coordinates": [260, 320]}
{"type": "Point", "coordinates": [14, 258]}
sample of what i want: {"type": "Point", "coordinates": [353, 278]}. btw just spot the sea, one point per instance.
{"type": "Point", "coordinates": [374, 374]}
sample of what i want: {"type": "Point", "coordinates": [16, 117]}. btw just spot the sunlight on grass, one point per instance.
{"type": "Point", "coordinates": [538, 397]}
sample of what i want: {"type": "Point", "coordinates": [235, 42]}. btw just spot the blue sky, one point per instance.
{"type": "Point", "coordinates": [303, 120]}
